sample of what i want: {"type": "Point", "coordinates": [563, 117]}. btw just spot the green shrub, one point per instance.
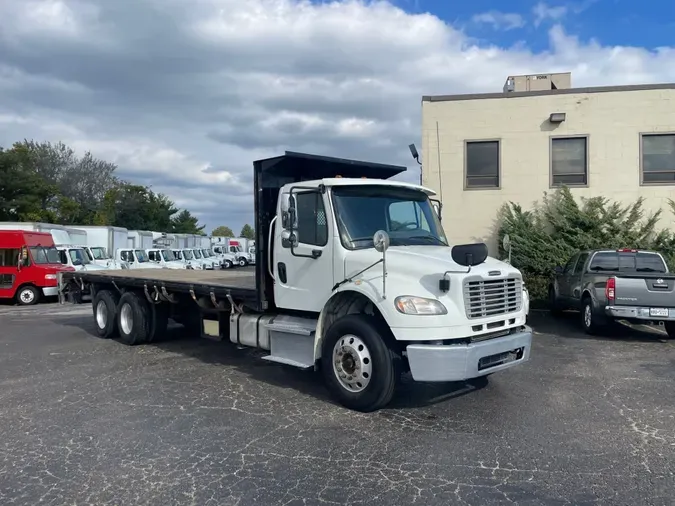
{"type": "Point", "coordinates": [559, 226]}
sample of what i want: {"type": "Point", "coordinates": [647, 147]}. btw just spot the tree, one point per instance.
{"type": "Point", "coordinates": [84, 181]}
{"type": "Point", "coordinates": [136, 207]}
{"type": "Point", "coordinates": [22, 192]}
{"type": "Point", "coordinates": [185, 223]}
{"type": "Point", "coordinates": [222, 231]}
{"type": "Point", "coordinates": [247, 232]}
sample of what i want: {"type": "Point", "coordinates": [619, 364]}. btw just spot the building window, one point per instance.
{"type": "Point", "coordinates": [658, 158]}
{"type": "Point", "coordinates": [482, 164]}
{"type": "Point", "coordinates": [569, 161]}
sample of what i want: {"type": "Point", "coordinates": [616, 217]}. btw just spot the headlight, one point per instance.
{"type": "Point", "coordinates": [407, 304]}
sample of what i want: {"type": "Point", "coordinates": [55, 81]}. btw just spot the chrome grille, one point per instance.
{"type": "Point", "coordinates": [492, 297]}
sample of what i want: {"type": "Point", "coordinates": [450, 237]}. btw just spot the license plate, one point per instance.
{"type": "Point", "coordinates": [658, 311]}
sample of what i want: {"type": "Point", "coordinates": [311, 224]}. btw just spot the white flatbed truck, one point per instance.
{"type": "Point", "coordinates": [353, 277]}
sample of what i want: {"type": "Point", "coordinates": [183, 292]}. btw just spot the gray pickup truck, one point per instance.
{"type": "Point", "coordinates": [608, 285]}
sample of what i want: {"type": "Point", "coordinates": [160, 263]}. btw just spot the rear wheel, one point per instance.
{"type": "Point", "coordinates": [591, 321]}
{"type": "Point", "coordinates": [27, 295]}
{"type": "Point", "coordinates": [133, 319]}
{"type": "Point", "coordinates": [553, 305]}
{"type": "Point", "coordinates": [360, 368]}
{"type": "Point", "coordinates": [104, 305]}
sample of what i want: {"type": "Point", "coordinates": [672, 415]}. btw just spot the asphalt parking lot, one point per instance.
{"type": "Point", "coordinates": [88, 421]}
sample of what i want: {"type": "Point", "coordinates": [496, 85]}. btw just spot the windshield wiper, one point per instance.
{"type": "Point", "coordinates": [433, 238]}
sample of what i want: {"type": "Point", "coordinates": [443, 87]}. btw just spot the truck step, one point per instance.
{"type": "Point", "coordinates": [287, 361]}
{"type": "Point", "coordinates": [292, 325]}
{"type": "Point", "coordinates": [291, 340]}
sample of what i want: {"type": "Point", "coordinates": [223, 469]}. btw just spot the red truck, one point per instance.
{"type": "Point", "coordinates": [29, 264]}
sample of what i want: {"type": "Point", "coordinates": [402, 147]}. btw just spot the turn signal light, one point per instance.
{"type": "Point", "coordinates": [610, 288]}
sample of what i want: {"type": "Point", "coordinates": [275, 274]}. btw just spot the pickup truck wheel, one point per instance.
{"type": "Point", "coordinates": [133, 319]}
{"type": "Point", "coordinates": [104, 305]}
{"type": "Point", "coordinates": [360, 369]}
{"type": "Point", "coordinates": [589, 317]}
{"type": "Point", "coordinates": [27, 296]}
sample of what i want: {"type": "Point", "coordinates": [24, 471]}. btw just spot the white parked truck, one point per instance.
{"type": "Point", "coordinates": [165, 258]}
{"type": "Point", "coordinates": [354, 277]}
{"type": "Point", "coordinates": [135, 259]}
{"type": "Point", "coordinates": [139, 239]}
{"type": "Point", "coordinates": [102, 242]}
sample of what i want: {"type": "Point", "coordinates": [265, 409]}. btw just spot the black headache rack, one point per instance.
{"type": "Point", "coordinates": [270, 174]}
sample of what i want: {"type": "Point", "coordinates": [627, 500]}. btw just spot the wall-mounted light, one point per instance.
{"type": "Point", "coordinates": [557, 117]}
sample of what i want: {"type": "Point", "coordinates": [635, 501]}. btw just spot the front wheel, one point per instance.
{"type": "Point", "coordinates": [227, 264]}
{"type": "Point", "coordinates": [360, 368]}
{"type": "Point", "coordinates": [27, 296]}
{"type": "Point", "coordinates": [243, 262]}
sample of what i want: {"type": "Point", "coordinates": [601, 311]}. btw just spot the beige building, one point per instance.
{"type": "Point", "coordinates": [482, 150]}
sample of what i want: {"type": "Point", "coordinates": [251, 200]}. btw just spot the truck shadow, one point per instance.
{"type": "Point", "coordinates": [568, 326]}
{"type": "Point", "coordinates": [411, 394]}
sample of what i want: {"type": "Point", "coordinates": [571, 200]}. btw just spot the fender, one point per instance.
{"type": "Point", "coordinates": [347, 300]}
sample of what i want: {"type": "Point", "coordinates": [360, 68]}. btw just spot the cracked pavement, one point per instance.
{"type": "Point", "coordinates": [197, 422]}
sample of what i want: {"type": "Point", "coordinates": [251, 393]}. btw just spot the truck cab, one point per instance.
{"type": "Point", "coordinates": [78, 258]}
{"type": "Point", "coordinates": [165, 258]}
{"type": "Point", "coordinates": [135, 259]}
{"type": "Point", "coordinates": [29, 266]}
{"type": "Point", "coordinates": [207, 263]}
{"type": "Point", "coordinates": [227, 260]}
{"type": "Point", "coordinates": [243, 258]}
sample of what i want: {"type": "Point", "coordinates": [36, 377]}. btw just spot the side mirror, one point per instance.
{"type": "Point", "coordinates": [558, 270]}
{"type": "Point", "coordinates": [289, 239]}
{"type": "Point", "coordinates": [381, 241]}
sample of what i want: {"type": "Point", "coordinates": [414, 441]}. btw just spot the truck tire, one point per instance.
{"type": "Point", "coordinates": [133, 319]}
{"type": "Point", "coordinates": [360, 368]}
{"type": "Point", "coordinates": [227, 264]}
{"type": "Point", "coordinates": [592, 322]}
{"type": "Point", "coordinates": [104, 306]}
{"type": "Point", "coordinates": [243, 262]}
{"type": "Point", "coordinates": [27, 295]}
{"type": "Point", "coordinates": [670, 328]}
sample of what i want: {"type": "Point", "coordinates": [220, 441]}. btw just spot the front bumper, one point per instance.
{"type": "Point", "coordinates": [50, 291]}
{"type": "Point", "coordinates": [458, 362]}
{"type": "Point", "coordinates": [637, 313]}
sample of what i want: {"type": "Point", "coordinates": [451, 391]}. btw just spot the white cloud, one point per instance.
{"type": "Point", "coordinates": [184, 95]}
{"type": "Point", "coordinates": [544, 12]}
{"type": "Point", "coordinates": [500, 20]}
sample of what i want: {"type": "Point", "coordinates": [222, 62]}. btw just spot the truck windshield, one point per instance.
{"type": "Point", "coordinates": [45, 255]}
{"type": "Point", "coordinates": [140, 254]}
{"type": "Point", "coordinates": [167, 255]}
{"type": "Point", "coordinates": [627, 261]}
{"type": "Point", "coordinates": [198, 254]}
{"type": "Point", "coordinates": [188, 254]}
{"type": "Point", "coordinates": [206, 252]}
{"type": "Point", "coordinates": [404, 213]}
{"type": "Point", "coordinates": [178, 255]}
{"type": "Point", "coordinates": [99, 253]}
{"type": "Point", "coordinates": [78, 254]}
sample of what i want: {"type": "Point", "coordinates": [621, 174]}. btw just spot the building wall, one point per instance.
{"type": "Point", "coordinates": [613, 122]}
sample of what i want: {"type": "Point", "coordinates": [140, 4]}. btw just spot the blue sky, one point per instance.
{"type": "Point", "coordinates": [613, 22]}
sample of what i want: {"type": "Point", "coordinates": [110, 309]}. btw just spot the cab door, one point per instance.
{"type": "Point", "coordinates": [303, 260]}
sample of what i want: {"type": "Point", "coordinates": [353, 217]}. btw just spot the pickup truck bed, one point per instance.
{"type": "Point", "coordinates": [238, 283]}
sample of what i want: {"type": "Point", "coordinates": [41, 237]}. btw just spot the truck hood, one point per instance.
{"type": "Point", "coordinates": [418, 269]}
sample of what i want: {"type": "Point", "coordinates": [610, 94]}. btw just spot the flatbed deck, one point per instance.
{"type": "Point", "coordinates": [240, 283]}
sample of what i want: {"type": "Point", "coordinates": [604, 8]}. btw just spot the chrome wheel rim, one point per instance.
{"type": "Point", "coordinates": [101, 314]}
{"type": "Point", "coordinates": [27, 296]}
{"type": "Point", "coordinates": [587, 316]}
{"type": "Point", "coordinates": [126, 319]}
{"type": "Point", "coordinates": [352, 363]}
